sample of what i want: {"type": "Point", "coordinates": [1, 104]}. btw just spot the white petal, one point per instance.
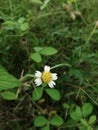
{"type": "Point", "coordinates": [54, 76]}
{"type": "Point", "coordinates": [47, 68]}
{"type": "Point", "coordinates": [38, 81]}
{"type": "Point", "coordinates": [38, 74]}
{"type": "Point", "coordinates": [51, 84]}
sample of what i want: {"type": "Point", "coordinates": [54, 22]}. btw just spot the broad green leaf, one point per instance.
{"type": "Point", "coordinates": [48, 51]}
{"type": "Point", "coordinates": [37, 49]}
{"type": "Point", "coordinates": [21, 20]}
{"type": "Point", "coordinates": [37, 93]}
{"type": "Point", "coordinates": [38, 2]}
{"type": "Point", "coordinates": [84, 122]}
{"type": "Point", "coordinates": [24, 26]}
{"type": "Point", "coordinates": [40, 121]}
{"type": "Point", "coordinates": [53, 93]}
{"type": "Point", "coordinates": [45, 128]}
{"type": "Point", "coordinates": [77, 114]}
{"type": "Point", "coordinates": [36, 57]}
{"type": "Point", "coordinates": [87, 109]}
{"type": "Point", "coordinates": [8, 95]}
{"type": "Point", "coordinates": [92, 119]}
{"type": "Point", "coordinates": [90, 128]}
{"type": "Point", "coordinates": [56, 120]}
{"type": "Point", "coordinates": [7, 81]}
{"type": "Point", "coordinates": [9, 25]}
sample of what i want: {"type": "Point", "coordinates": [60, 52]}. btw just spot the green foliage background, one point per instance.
{"type": "Point", "coordinates": [25, 24]}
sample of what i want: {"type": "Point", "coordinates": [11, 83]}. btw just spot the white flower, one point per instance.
{"type": "Point", "coordinates": [46, 76]}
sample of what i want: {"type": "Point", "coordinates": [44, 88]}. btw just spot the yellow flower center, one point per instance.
{"type": "Point", "coordinates": [46, 77]}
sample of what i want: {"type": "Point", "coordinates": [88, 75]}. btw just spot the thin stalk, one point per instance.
{"type": "Point", "coordinates": [90, 36]}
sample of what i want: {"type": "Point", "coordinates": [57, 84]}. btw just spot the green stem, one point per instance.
{"type": "Point", "coordinates": [90, 36]}
{"type": "Point", "coordinates": [76, 6]}
{"type": "Point", "coordinates": [60, 65]}
{"type": "Point", "coordinates": [27, 76]}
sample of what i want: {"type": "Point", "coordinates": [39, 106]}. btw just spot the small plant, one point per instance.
{"type": "Point", "coordinates": [37, 34]}
{"type": "Point", "coordinates": [39, 51]}
{"type": "Point", "coordinates": [82, 116]}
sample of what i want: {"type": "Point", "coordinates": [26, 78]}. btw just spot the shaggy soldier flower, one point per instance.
{"type": "Point", "coordinates": [46, 76]}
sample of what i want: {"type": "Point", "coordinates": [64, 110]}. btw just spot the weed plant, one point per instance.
{"type": "Point", "coordinates": [57, 33]}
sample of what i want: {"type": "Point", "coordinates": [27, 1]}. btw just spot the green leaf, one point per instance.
{"type": "Point", "coordinates": [21, 20]}
{"type": "Point", "coordinates": [53, 93]}
{"type": "Point", "coordinates": [48, 51]}
{"type": "Point", "coordinates": [40, 121]}
{"type": "Point", "coordinates": [56, 120]}
{"type": "Point", "coordinates": [84, 122]}
{"type": "Point", "coordinates": [36, 57]}
{"type": "Point", "coordinates": [7, 81]}
{"type": "Point", "coordinates": [66, 106]}
{"type": "Point", "coordinates": [24, 26]}
{"type": "Point", "coordinates": [81, 127]}
{"type": "Point", "coordinates": [90, 128]}
{"type": "Point", "coordinates": [37, 49]}
{"type": "Point", "coordinates": [87, 109]}
{"type": "Point", "coordinates": [37, 2]}
{"type": "Point", "coordinates": [45, 4]}
{"type": "Point", "coordinates": [77, 114]}
{"type": "Point", "coordinates": [92, 119]}
{"type": "Point", "coordinates": [72, 1]}
{"type": "Point", "coordinates": [8, 95]}
{"type": "Point", "coordinates": [9, 25]}
{"type": "Point", "coordinates": [45, 128]}
{"type": "Point", "coordinates": [37, 93]}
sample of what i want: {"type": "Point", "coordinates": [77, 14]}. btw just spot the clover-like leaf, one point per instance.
{"type": "Point", "coordinates": [53, 93]}
{"type": "Point", "coordinates": [40, 121]}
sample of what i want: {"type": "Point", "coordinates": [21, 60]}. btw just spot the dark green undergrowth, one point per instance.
{"type": "Point", "coordinates": [63, 35]}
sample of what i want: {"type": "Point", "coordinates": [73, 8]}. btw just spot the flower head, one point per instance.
{"type": "Point", "coordinates": [45, 77]}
